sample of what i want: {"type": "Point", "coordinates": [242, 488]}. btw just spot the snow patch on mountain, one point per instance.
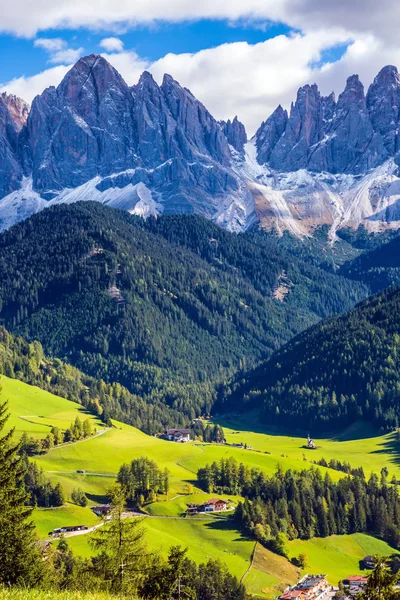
{"type": "Point", "coordinates": [300, 201]}
{"type": "Point", "coordinates": [23, 203]}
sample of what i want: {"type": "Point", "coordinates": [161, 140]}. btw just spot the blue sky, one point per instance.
{"type": "Point", "coordinates": [242, 57]}
{"type": "Point", "coordinates": [150, 42]}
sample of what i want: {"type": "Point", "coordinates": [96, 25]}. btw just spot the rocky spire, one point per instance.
{"type": "Point", "coordinates": [303, 130]}
{"type": "Point", "coordinates": [13, 114]}
{"type": "Point", "coordinates": [269, 133]}
{"type": "Point", "coordinates": [383, 104]}
{"type": "Point", "coordinates": [235, 133]}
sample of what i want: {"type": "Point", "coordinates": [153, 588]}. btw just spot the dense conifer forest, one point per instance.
{"type": "Point", "coordinates": [306, 504]}
{"type": "Point", "coordinates": [339, 371]}
{"type": "Point", "coordinates": [167, 308]}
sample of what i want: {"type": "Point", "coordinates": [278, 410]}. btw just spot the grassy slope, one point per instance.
{"type": "Point", "coordinates": [360, 444]}
{"type": "Point", "coordinates": [35, 411]}
{"type": "Point", "coordinates": [205, 539]}
{"type": "Point", "coordinates": [269, 573]}
{"type": "Point", "coordinates": [338, 556]}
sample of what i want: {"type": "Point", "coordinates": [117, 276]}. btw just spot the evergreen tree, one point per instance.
{"type": "Point", "coordinates": [381, 583]}
{"type": "Point", "coordinates": [122, 558]}
{"type": "Point", "coordinates": [20, 562]}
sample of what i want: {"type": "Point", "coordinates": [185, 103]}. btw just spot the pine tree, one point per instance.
{"type": "Point", "coordinates": [381, 583]}
{"type": "Point", "coordinates": [122, 558]}
{"type": "Point", "coordinates": [20, 562]}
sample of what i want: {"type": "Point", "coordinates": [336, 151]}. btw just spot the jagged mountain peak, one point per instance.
{"type": "Point", "coordinates": [91, 75]}
{"type": "Point", "coordinates": [17, 108]}
{"type": "Point", "coordinates": [353, 92]}
{"type": "Point", "coordinates": [388, 75]}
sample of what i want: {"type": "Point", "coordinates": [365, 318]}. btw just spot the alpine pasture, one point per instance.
{"type": "Point", "coordinates": [34, 411]}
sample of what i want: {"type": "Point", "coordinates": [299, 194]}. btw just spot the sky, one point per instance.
{"type": "Point", "coordinates": [239, 57]}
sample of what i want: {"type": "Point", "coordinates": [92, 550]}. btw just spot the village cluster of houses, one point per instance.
{"type": "Point", "coordinates": [310, 587]}
{"type": "Point", "coordinates": [212, 505]}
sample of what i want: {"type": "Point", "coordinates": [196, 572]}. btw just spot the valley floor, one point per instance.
{"type": "Point", "coordinates": [214, 536]}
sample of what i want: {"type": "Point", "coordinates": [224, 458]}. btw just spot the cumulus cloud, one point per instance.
{"type": "Point", "coordinates": [366, 16]}
{"type": "Point", "coordinates": [112, 44]}
{"type": "Point", "coordinates": [29, 87]}
{"type": "Point", "coordinates": [50, 44]}
{"type": "Point", "coordinates": [58, 49]}
{"type": "Point", "coordinates": [248, 80]}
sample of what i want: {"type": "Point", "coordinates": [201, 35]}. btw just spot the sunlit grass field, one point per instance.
{"type": "Point", "coordinates": [35, 411]}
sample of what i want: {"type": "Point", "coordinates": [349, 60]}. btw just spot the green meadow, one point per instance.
{"type": "Point", "coordinates": [35, 411]}
{"type": "Point", "coordinates": [338, 555]}
{"type": "Point", "coordinates": [360, 445]}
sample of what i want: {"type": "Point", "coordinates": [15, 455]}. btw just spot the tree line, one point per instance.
{"type": "Point", "coordinates": [169, 308]}
{"type": "Point", "coordinates": [307, 504]}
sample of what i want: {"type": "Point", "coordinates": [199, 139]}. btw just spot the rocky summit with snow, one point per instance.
{"type": "Point", "coordinates": [153, 149]}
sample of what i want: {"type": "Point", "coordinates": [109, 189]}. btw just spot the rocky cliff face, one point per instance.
{"type": "Point", "coordinates": [94, 125]}
{"type": "Point", "coordinates": [13, 115]}
{"type": "Point", "coordinates": [352, 135]}
{"type": "Point", "coordinates": [235, 133]}
{"type": "Point", "coordinates": [154, 149]}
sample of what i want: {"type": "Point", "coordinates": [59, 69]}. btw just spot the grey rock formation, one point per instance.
{"type": "Point", "coordinates": [235, 133]}
{"type": "Point", "coordinates": [81, 129]}
{"type": "Point", "coordinates": [351, 135]}
{"type": "Point", "coordinates": [269, 134]}
{"type": "Point", "coordinates": [93, 125]}
{"type": "Point", "coordinates": [13, 115]}
{"type": "Point", "coordinates": [383, 104]}
{"type": "Point", "coordinates": [303, 130]}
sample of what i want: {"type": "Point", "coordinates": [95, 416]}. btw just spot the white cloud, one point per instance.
{"type": "Point", "coordinates": [249, 80]}
{"type": "Point", "coordinates": [366, 16]}
{"type": "Point", "coordinates": [50, 44]}
{"type": "Point", "coordinates": [112, 44]}
{"type": "Point", "coordinates": [29, 87]}
{"type": "Point", "coordinates": [67, 56]}
{"type": "Point", "coordinates": [245, 79]}
{"type": "Point", "coordinates": [58, 49]}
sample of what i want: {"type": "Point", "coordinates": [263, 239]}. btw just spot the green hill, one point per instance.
{"type": "Point", "coordinates": [334, 374]}
{"type": "Point", "coordinates": [167, 308]}
{"type": "Point", "coordinates": [102, 456]}
{"type": "Point", "coordinates": [35, 411]}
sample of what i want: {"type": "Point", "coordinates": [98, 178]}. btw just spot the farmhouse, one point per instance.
{"type": "Point", "coordinates": [212, 505]}
{"type": "Point", "coordinates": [310, 587]}
{"type": "Point", "coordinates": [368, 562]}
{"type": "Point", "coordinates": [178, 435]}
{"type": "Point", "coordinates": [355, 583]}
{"type": "Point", "coordinates": [101, 510]}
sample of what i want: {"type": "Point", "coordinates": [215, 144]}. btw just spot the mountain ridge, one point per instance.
{"type": "Point", "coordinates": [153, 149]}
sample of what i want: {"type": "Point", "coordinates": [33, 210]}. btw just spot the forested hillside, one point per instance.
{"type": "Point", "coordinates": [338, 371]}
{"type": "Point", "coordinates": [167, 308]}
{"type": "Point", "coordinates": [379, 268]}
{"type": "Point", "coordinates": [27, 362]}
